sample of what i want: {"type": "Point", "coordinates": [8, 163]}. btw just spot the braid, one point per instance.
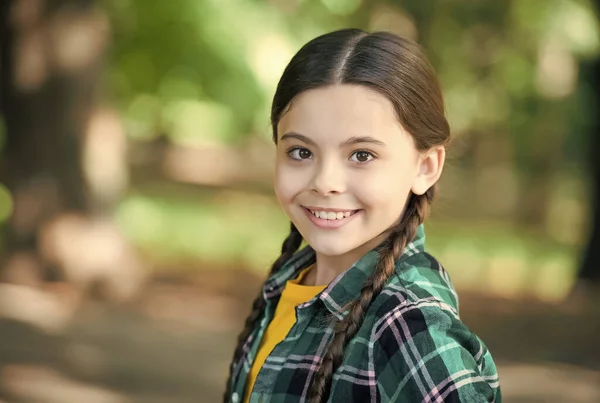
{"type": "Point", "coordinates": [400, 235]}
{"type": "Point", "coordinates": [289, 247]}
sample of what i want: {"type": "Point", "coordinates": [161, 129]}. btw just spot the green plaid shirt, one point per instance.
{"type": "Point", "coordinates": [411, 347]}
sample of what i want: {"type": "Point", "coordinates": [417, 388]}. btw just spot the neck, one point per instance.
{"type": "Point", "coordinates": [328, 267]}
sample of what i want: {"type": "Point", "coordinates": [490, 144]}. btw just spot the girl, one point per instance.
{"type": "Point", "coordinates": [363, 313]}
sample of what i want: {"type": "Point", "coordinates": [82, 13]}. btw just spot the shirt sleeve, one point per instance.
{"type": "Point", "coordinates": [422, 352]}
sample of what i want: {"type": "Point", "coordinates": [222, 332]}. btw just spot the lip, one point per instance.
{"type": "Point", "coordinates": [330, 224]}
{"type": "Point", "coordinates": [313, 208]}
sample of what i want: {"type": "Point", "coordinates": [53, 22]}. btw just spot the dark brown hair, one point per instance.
{"type": "Point", "coordinates": [397, 68]}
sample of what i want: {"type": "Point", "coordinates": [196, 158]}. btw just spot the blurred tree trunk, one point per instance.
{"type": "Point", "coordinates": [590, 267]}
{"type": "Point", "coordinates": [52, 55]}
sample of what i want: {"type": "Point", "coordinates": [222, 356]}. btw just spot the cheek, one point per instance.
{"type": "Point", "coordinates": [286, 183]}
{"type": "Point", "coordinates": [383, 192]}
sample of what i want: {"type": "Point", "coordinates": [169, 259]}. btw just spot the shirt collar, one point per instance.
{"type": "Point", "coordinates": [276, 283]}
{"type": "Point", "coordinates": [345, 287]}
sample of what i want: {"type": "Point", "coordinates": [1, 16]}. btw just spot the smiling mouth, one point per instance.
{"type": "Point", "coordinates": [331, 215]}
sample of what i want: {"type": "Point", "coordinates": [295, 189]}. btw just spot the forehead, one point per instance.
{"type": "Point", "coordinates": [342, 111]}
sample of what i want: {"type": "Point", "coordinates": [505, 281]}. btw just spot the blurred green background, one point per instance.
{"type": "Point", "coordinates": [136, 202]}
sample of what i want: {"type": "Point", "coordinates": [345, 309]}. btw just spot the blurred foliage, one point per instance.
{"type": "Point", "coordinates": [212, 228]}
{"type": "Point", "coordinates": [179, 69]}
{"type": "Point", "coordinates": [202, 71]}
{"type": "Point", "coordinates": [5, 203]}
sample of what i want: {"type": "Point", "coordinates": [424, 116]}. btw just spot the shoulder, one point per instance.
{"type": "Point", "coordinates": [422, 277]}
{"type": "Point", "coordinates": [419, 282]}
{"type": "Point", "coordinates": [420, 347]}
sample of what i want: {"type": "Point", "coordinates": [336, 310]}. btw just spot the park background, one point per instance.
{"type": "Point", "coordinates": [138, 218]}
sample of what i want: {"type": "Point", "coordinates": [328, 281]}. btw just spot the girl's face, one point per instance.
{"type": "Point", "coordinates": [345, 167]}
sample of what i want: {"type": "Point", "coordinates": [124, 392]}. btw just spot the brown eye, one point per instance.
{"type": "Point", "coordinates": [362, 156]}
{"type": "Point", "coordinates": [304, 153]}
{"type": "Point", "coordinates": [300, 153]}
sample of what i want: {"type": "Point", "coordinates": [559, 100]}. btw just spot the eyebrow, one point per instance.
{"type": "Point", "coordinates": [298, 136]}
{"type": "Point", "coordinates": [364, 139]}
{"type": "Point", "coordinates": [351, 141]}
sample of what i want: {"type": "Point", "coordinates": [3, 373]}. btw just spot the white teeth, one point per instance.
{"type": "Point", "coordinates": [330, 215]}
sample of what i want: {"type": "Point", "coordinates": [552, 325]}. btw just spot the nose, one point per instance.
{"type": "Point", "coordinates": [328, 178]}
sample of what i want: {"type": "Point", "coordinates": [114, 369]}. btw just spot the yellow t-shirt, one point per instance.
{"type": "Point", "coordinates": [293, 295]}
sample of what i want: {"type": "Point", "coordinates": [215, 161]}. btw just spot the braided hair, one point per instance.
{"type": "Point", "coordinates": [288, 248]}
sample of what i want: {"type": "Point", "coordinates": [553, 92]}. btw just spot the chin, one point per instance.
{"type": "Point", "coordinates": [330, 247]}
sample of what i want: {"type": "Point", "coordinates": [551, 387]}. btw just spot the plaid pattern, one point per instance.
{"type": "Point", "coordinates": [412, 346]}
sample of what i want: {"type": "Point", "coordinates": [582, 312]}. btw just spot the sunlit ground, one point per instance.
{"type": "Point", "coordinates": [174, 342]}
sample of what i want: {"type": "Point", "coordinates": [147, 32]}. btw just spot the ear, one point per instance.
{"type": "Point", "coordinates": [430, 166]}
